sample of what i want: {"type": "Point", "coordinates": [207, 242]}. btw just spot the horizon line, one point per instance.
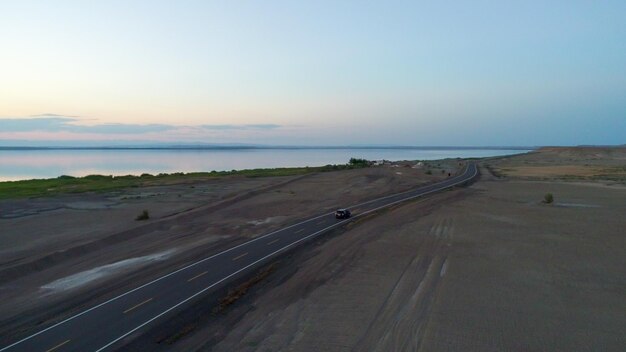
{"type": "Point", "coordinates": [260, 146]}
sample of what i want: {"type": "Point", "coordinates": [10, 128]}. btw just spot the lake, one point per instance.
{"type": "Point", "coordinates": [50, 163]}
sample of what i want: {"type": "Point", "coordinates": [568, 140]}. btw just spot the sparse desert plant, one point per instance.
{"type": "Point", "coordinates": [548, 198]}
{"type": "Point", "coordinates": [429, 172]}
{"type": "Point", "coordinates": [143, 216]}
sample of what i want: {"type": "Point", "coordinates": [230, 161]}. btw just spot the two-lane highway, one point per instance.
{"type": "Point", "coordinates": [104, 325]}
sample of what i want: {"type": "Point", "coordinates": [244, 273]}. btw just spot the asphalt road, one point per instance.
{"type": "Point", "coordinates": [103, 326]}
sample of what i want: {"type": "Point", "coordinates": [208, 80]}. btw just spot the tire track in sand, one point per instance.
{"type": "Point", "coordinates": [401, 320]}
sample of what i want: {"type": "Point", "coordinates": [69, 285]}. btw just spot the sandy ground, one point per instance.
{"type": "Point", "coordinates": [488, 268]}
{"type": "Point", "coordinates": [484, 268]}
{"type": "Point", "coordinates": [559, 163]}
{"type": "Point", "coordinates": [62, 253]}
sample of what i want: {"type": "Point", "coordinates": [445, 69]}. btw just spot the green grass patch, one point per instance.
{"type": "Point", "coordinates": [101, 183]}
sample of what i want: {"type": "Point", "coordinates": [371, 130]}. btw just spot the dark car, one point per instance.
{"type": "Point", "coordinates": [342, 213]}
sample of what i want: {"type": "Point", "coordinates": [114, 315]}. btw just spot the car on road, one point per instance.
{"type": "Point", "coordinates": [342, 213]}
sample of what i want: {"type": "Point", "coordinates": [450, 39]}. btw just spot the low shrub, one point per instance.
{"type": "Point", "coordinates": [143, 216]}
{"type": "Point", "coordinates": [548, 198]}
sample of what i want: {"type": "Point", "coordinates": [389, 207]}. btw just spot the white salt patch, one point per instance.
{"type": "Point", "coordinates": [444, 267]}
{"type": "Point", "coordinates": [576, 205]}
{"type": "Point", "coordinates": [85, 277]}
{"type": "Point", "coordinates": [88, 205]}
{"type": "Point", "coordinates": [264, 221]}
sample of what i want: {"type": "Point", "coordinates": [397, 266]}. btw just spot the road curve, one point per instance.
{"type": "Point", "coordinates": [102, 327]}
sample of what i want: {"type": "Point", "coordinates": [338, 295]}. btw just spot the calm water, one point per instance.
{"type": "Point", "coordinates": [29, 164]}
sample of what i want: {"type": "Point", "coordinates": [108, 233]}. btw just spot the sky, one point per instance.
{"type": "Point", "coordinates": [464, 73]}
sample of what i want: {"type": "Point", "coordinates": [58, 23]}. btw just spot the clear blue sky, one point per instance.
{"type": "Point", "coordinates": [316, 72]}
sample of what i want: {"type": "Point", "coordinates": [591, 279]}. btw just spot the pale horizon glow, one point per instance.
{"type": "Point", "coordinates": [314, 73]}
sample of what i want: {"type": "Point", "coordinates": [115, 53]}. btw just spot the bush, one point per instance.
{"type": "Point", "coordinates": [359, 162]}
{"type": "Point", "coordinates": [98, 177]}
{"type": "Point", "coordinates": [143, 216]}
{"type": "Point", "coordinates": [548, 198]}
{"type": "Point", "coordinates": [428, 172]}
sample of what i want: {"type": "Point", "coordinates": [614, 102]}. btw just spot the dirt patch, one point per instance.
{"type": "Point", "coordinates": [239, 291]}
{"type": "Point", "coordinates": [552, 171]}
{"type": "Point", "coordinates": [570, 164]}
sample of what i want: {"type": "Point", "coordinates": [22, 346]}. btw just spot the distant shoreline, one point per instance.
{"type": "Point", "coordinates": [26, 163]}
{"type": "Point", "coordinates": [244, 147]}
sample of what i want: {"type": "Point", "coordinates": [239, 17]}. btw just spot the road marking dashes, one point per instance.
{"type": "Point", "coordinates": [57, 346]}
{"type": "Point", "coordinates": [390, 202]}
{"type": "Point", "coordinates": [299, 231]}
{"type": "Point", "coordinates": [137, 305]}
{"type": "Point", "coordinates": [240, 256]}
{"type": "Point", "coordinates": [274, 241]}
{"type": "Point", "coordinates": [197, 276]}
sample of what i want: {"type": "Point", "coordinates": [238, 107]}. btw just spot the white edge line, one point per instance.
{"type": "Point", "coordinates": [415, 196]}
{"type": "Point", "coordinates": [268, 256]}
{"type": "Point", "coordinates": [228, 250]}
{"type": "Point", "coordinates": [216, 283]}
{"type": "Point", "coordinates": [413, 190]}
{"type": "Point", "coordinates": [155, 280]}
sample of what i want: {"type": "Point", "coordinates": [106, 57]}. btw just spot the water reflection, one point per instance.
{"type": "Point", "coordinates": [28, 164]}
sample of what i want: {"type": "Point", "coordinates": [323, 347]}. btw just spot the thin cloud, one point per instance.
{"type": "Point", "coordinates": [53, 115]}
{"type": "Point", "coordinates": [266, 126]}
{"type": "Point", "coordinates": [60, 123]}
{"type": "Point", "coordinates": [54, 123]}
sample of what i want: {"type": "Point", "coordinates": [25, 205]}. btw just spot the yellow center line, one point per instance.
{"type": "Point", "coordinates": [197, 276]}
{"type": "Point", "coordinates": [57, 346]}
{"type": "Point", "coordinates": [274, 241]}
{"type": "Point", "coordinates": [135, 306]}
{"type": "Point", "coordinates": [240, 256]}
{"type": "Point", "coordinates": [299, 230]}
